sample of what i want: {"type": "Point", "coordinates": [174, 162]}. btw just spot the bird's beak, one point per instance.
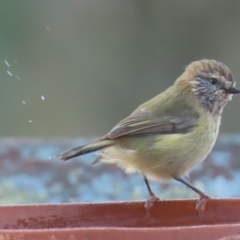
{"type": "Point", "coordinates": [231, 90]}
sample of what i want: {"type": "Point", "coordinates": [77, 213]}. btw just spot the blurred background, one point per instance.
{"type": "Point", "coordinates": [75, 68]}
{"type": "Point", "coordinates": [95, 61]}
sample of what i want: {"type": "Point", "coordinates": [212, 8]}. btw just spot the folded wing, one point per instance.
{"type": "Point", "coordinates": [146, 123]}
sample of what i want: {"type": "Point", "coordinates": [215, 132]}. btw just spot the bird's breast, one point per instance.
{"type": "Point", "coordinates": [172, 155]}
{"type": "Point", "coordinates": [162, 157]}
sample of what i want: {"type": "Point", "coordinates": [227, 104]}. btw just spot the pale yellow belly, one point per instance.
{"type": "Point", "coordinates": [161, 158]}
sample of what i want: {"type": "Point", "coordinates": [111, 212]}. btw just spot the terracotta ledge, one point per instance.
{"type": "Point", "coordinates": [121, 220]}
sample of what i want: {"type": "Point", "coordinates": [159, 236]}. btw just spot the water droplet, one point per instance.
{"type": "Point", "coordinates": [48, 28]}
{"type": "Point", "coordinates": [30, 121]}
{"type": "Point", "coordinates": [6, 62]}
{"type": "Point", "coordinates": [49, 157]}
{"type": "Point", "coordinates": [15, 61]}
{"type": "Point", "coordinates": [23, 102]}
{"type": "Point", "coordinates": [18, 77]}
{"type": "Point", "coordinates": [9, 73]}
{"type": "Point", "coordinates": [42, 97]}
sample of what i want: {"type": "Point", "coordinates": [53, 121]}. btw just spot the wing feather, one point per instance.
{"type": "Point", "coordinates": [135, 126]}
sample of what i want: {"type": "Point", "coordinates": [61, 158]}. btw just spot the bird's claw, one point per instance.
{"type": "Point", "coordinates": [150, 202]}
{"type": "Point", "coordinates": [201, 203]}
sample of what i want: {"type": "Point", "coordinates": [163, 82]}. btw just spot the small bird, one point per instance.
{"type": "Point", "coordinates": [168, 135]}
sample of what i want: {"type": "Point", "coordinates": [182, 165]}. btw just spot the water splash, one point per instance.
{"type": "Point", "coordinates": [9, 73]}
{"type": "Point", "coordinates": [7, 63]}
{"type": "Point", "coordinates": [23, 102]}
{"type": "Point", "coordinates": [42, 97]}
{"type": "Point", "coordinates": [30, 121]}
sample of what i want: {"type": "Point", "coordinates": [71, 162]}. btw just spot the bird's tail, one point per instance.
{"type": "Point", "coordinates": [92, 147]}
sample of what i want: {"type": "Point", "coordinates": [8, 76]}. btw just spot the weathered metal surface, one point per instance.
{"type": "Point", "coordinates": [30, 173]}
{"type": "Point", "coordinates": [218, 232]}
{"type": "Point", "coordinates": [168, 220]}
{"type": "Point", "coordinates": [171, 213]}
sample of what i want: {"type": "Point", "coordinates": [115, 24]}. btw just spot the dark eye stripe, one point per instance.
{"type": "Point", "coordinates": [212, 80]}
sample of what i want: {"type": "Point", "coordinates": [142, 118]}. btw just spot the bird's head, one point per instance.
{"type": "Point", "coordinates": [211, 82]}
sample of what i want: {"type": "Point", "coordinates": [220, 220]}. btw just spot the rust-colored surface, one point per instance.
{"type": "Point", "coordinates": [121, 220]}
{"type": "Point", "coordinates": [119, 214]}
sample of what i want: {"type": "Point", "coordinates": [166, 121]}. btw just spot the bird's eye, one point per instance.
{"type": "Point", "coordinates": [213, 81]}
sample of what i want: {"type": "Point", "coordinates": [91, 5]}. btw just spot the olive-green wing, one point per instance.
{"type": "Point", "coordinates": [145, 123]}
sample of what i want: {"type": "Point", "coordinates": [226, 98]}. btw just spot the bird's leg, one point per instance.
{"type": "Point", "coordinates": [149, 203]}
{"type": "Point", "coordinates": [201, 203]}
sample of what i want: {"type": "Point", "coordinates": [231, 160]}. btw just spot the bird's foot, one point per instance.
{"type": "Point", "coordinates": [201, 203]}
{"type": "Point", "coordinates": [150, 202]}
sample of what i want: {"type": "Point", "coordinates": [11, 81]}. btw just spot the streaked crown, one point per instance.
{"type": "Point", "coordinates": [212, 83]}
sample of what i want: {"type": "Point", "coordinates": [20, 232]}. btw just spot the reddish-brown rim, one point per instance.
{"type": "Point", "coordinates": [121, 220]}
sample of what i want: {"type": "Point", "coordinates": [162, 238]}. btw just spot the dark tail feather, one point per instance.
{"type": "Point", "coordinates": [92, 147]}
